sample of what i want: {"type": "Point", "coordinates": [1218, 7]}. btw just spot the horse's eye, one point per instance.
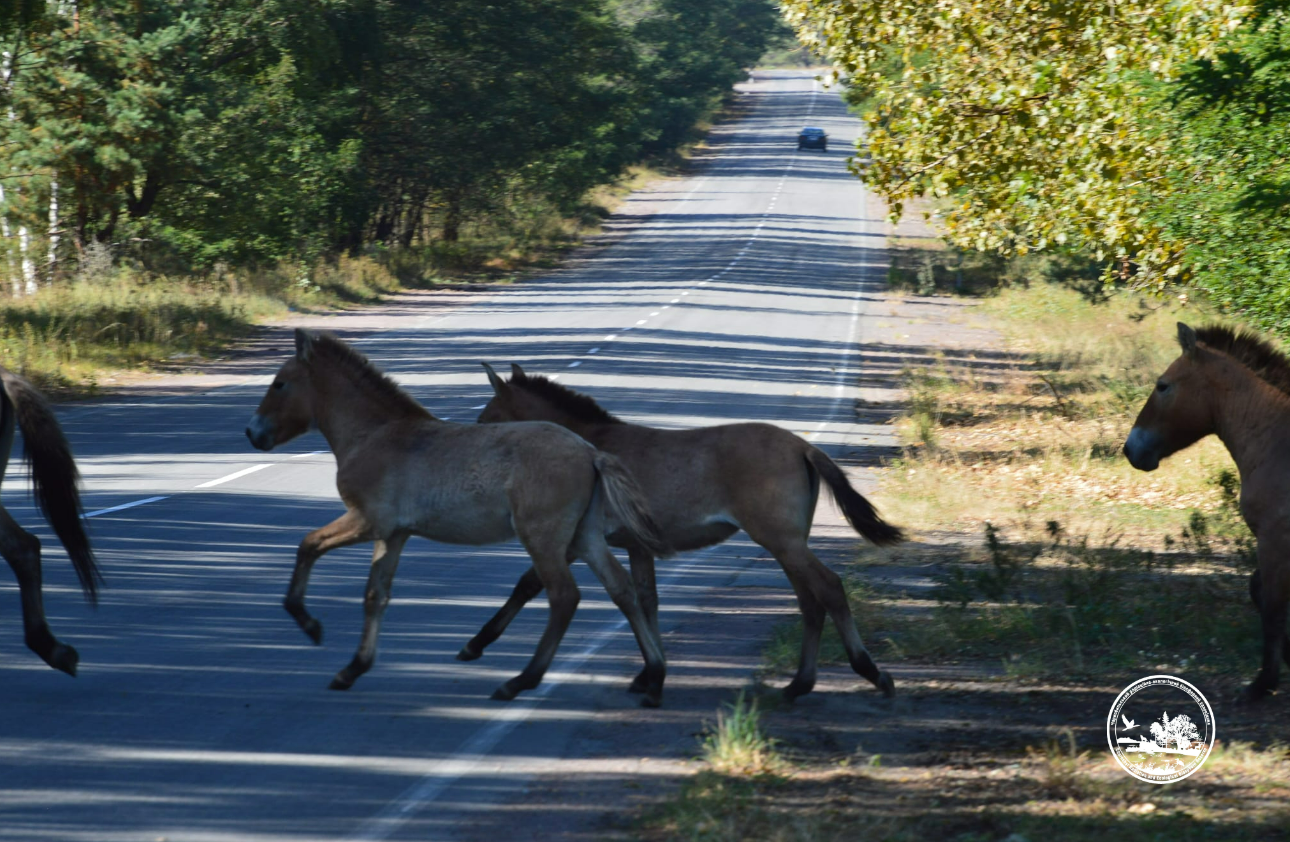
{"type": "Point", "coordinates": [1162, 387]}
{"type": "Point", "coordinates": [278, 384]}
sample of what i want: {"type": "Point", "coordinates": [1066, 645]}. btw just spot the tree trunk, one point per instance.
{"type": "Point", "coordinates": [12, 276]}
{"type": "Point", "coordinates": [53, 228]}
{"type": "Point", "coordinates": [452, 221]}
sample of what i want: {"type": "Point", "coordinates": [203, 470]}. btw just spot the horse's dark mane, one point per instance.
{"type": "Point", "coordinates": [1252, 351]}
{"type": "Point", "coordinates": [361, 370]}
{"type": "Point", "coordinates": [581, 407]}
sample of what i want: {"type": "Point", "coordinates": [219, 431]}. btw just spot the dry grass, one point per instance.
{"type": "Point", "coordinates": [1038, 437]}
{"type": "Point", "coordinates": [1055, 793]}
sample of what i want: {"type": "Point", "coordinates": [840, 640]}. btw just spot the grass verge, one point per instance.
{"type": "Point", "coordinates": [111, 316]}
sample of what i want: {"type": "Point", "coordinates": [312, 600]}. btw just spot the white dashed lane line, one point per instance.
{"type": "Point", "coordinates": [209, 484]}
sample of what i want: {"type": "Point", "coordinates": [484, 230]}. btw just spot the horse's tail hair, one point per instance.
{"type": "Point", "coordinates": [859, 512]}
{"type": "Point", "coordinates": [625, 501]}
{"type": "Point", "coordinates": [54, 477]}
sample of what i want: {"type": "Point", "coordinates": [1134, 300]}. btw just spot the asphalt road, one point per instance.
{"type": "Point", "coordinates": [201, 711]}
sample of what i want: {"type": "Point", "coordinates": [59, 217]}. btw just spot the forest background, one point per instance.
{"type": "Point", "coordinates": [171, 172]}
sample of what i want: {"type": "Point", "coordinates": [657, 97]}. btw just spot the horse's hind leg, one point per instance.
{"type": "Point", "coordinates": [385, 560]}
{"type": "Point", "coordinates": [642, 562]}
{"type": "Point", "coordinates": [813, 615]}
{"type": "Point", "coordinates": [22, 550]}
{"type": "Point", "coordinates": [562, 594]}
{"type": "Point", "coordinates": [808, 574]}
{"type": "Point", "coordinates": [1256, 586]}
{"type": "Point", "coordinates": [346, 530]}
{"type": "Point", "coordinates": [529, 586]}
{"type": "Point", "coordinates": [616, 581]}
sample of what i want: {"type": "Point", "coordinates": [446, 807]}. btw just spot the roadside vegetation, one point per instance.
{"type": "Point", "coordinates": [1052, 573]}
{"type": "Point", "coordinates": [1147, 136]}
{"type": "Point", "coordinates": [172, 172]}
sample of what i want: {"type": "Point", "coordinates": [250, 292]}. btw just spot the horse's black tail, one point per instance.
{"type": "Point", "coordinates": [625, 500]}
{"type": "Point", "coordinates": [859, 512]}
{"type": "Point", "coordinates": [54, 477]}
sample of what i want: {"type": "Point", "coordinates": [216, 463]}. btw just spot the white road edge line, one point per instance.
{"type": "Point", "coordinates": [125, 506]}
{"type": "Point", "coordinates": [474, 752]}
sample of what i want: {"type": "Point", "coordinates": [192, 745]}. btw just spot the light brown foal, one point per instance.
{"type": "Point", "coordinates": [704, 485]}
{"type": "Point", "coordinates": [403, 472]}
{"type": "Point", "coordinates": [1236, 386]}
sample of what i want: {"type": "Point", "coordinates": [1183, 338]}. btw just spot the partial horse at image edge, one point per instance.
{"type": "Point", "coordinates": [55, 482]}
{"type": "Point", "coordinates": [1235, 385]}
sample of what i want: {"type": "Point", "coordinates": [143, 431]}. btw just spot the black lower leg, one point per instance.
{"type": "Point", "coordinates": [529, 586]}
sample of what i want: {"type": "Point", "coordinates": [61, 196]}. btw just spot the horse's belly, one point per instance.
{"type": "Point", "coordinates": [469, 526]}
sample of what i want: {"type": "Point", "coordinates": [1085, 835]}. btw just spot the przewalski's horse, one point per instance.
{"type": "Point", "coordinates": [54, 481]}
{"type": "Point", "coordinates": [402, 472]}
{"type": "Point", "coordinates": [1236, 386]}
{"type": "Point", "coordinates": [703, 486]}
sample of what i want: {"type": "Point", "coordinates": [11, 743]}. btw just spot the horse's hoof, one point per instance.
{"type": "Point", "coordinates": [639, 684]}
{"type": "Point", "coordinates": [504, 693]}
{"type": "Point", "coordinates": [1253, 694]}
{"type": "Point", "coordinates": [313, 628]}
{"type": "Point", "coordinates": [652, 700]}
{"type": "Point", "coordinates": [340, 683]}
{"type": "Point", "coordinates": [796, 689]}
{"type": "Point", "coordinates": [469, 653]}
{"type": "Point", "coordinates": [886, 684]}
{"type": "Point", "coordinates": [65, 659]}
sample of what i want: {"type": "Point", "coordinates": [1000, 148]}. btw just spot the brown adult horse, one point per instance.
{"type": "Point", "coordinates": [402, 472]}
{"type": "Point", "coordinates": [705, 485]}
{"type": "Point", "coordinates": [54, 480]}
{"type": "Point", "coordinates": [1236, 386]}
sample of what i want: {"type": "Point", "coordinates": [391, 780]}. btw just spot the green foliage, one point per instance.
{"type": "Point", "coordinates": [737, 744]}
{"type": "Point", "coordinates": [1228, 119]}
{"type": "Point", "coordinates": [1023, 116]}
{"type": "Point", "coordinates": [253, 131]}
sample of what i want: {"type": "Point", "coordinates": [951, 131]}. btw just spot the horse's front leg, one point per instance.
{"type": "Point", "coordinates": [22, 550]}
{"type": "Point", "coordinates": [346, 530]}
{"type": "Point", "coordinates": [385, 560]}
{"type": "Point", "coordinates": [1273, 592]}
{"type": "Point", "coordinates": [1256, 588]}
{"type": "Point", "coordinates": [529, 586]}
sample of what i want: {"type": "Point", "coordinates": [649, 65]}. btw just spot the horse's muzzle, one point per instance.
{"type": "Point", "coordinates": [259, 433]}
{"type": "Point", "coordinates": [1142, 448]}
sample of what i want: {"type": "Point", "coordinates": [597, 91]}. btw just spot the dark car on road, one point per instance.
{"type": "Point", "coordinates": [813, 138]}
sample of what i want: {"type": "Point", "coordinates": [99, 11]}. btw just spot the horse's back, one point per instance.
{"type": "Point", "coordinates": [704, 482]}
{"type": "Point", "coordinates": [466, 483]}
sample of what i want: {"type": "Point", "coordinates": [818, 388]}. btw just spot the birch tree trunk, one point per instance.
{"type": "Point", "coordinates": [53, 235]}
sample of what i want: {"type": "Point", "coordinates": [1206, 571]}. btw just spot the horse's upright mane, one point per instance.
{"type": "Point", "coordinates": [363, 372]}
{"type": "Point", "coordinates": [1252, 351]}
{"type": "Point", "coordinates": [581, 407]}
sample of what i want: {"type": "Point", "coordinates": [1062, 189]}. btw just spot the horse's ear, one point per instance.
{"type": "Point", "coordinates": [499, 385]}
{"type": "Point", "coordinates": [304, 344]}
{"type": "Point", "coordinates": [517, 373]}
{"type": "Point", "coordinates": [1187, 339]}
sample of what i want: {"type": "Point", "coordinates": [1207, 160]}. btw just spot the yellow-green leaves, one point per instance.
{"type": "Point", "coordinates": [1026, 115]}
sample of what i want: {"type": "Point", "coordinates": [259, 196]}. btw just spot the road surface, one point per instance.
{"type": "Point", "coordinates": [201, 711]}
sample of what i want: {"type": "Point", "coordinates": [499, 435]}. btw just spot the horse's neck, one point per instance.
{"type": "Point", "coordinates": [1253, 414]}
{"type": "Point", "coordinates": [545, 411]}
{"type": "Point", "coordinates": [346, 412]}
